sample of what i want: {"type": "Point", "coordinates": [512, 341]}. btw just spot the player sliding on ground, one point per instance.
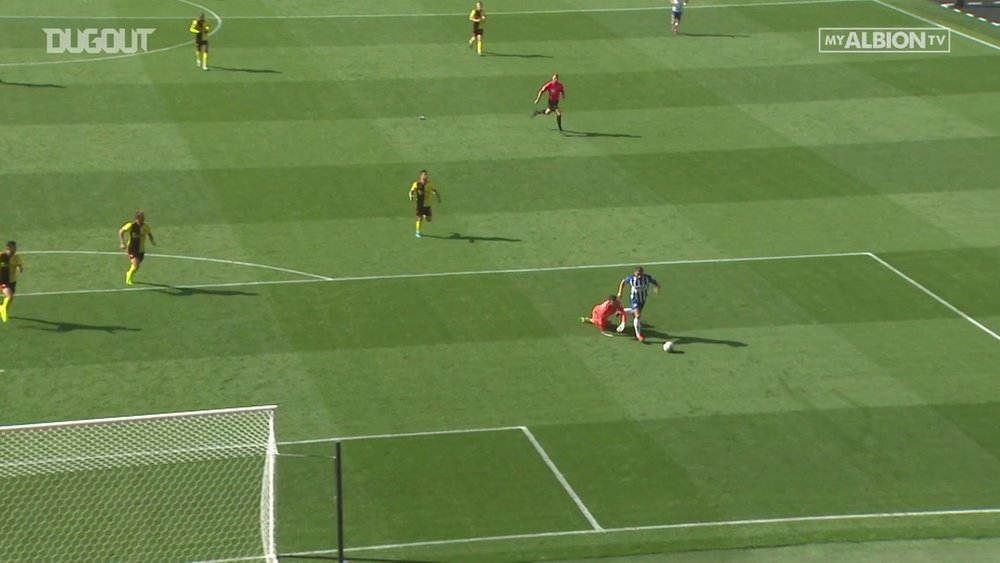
{"type": "Point", "coordinates": [603, 312]}
{"type": "Point", "coordinates": [638, 283]}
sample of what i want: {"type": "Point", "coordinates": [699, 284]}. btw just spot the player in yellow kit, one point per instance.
{"type": "Point", "coordinates": [421, 191]}
{"type": "Point", "coordinates": [10, 267]}
{"type": "Point", "coordinates": [132, 237]}
{"type": "Point", "coordinates": [477, 16]}
{"type": "Point", "coordinates": [200, 28]}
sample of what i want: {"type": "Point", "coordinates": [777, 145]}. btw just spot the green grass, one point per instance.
{"type": "Point", "coordinates": [805, 387]}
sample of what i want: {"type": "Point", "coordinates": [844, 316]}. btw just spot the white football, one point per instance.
{"type": "Point", "coordinates": [668, 345]}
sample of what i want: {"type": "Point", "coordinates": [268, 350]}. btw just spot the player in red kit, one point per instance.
{"type": "Point", "coordinates": [603, 312]}
{"type": "Point", "coordinates": [556, 92]}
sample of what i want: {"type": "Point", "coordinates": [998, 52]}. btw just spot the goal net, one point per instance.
{"type": "Point", "coordinates": [192, 486]}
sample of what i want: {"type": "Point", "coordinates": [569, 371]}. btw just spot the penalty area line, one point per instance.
{"type": "Point", "coordinates": [315, 278]}
{"type": "Point", "coordinates": [404, 435]}
{"type": "Point", "coordinates": [562, 479]}
{"type": "Point", "coordinates": [934, 296]}
{"type": "Point", "coordinates": [161, 287]}
{"type": "Point", "coordinates": [182, 257]}
{"type": "Point", "coordinates": [665, 527]}
{"type": "Point", "coordinates": [940, 25]}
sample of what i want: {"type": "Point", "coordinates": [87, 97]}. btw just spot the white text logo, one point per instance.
{"type": "Point", "coordinates": [96, 41]}
{"type": "Point", "coordinates": [884, 40]}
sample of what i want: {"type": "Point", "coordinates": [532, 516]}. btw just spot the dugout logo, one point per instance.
{"type": "Point", "coordinates": [96, 41]}
{"type": "Point", "coordinates": [884, 40]}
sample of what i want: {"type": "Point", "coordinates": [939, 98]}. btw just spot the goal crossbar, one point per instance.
{"type": "Point", "coordinates": [159, 416]}
{"type": "Point", "coordinates": [196, 485]}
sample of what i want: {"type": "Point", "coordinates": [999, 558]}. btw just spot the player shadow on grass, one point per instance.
{"type": "Point", "coordinates": [470, 238]}
{"type": "Point", "coordinates": [571, 133]}
{"type": "Point", "coordinates": [713, 34]}
{"type": "Point", "coordinates": [517, 55]}
{"type": "Point", "coordinates": [181, 291]}
{"type": "Point", "coordinates": [682, 340]}
{"type": "Point", "coordinates": [56, 326]}
{"type": "Point", "coordinates": [253, 70]}
{"type": "Point", "coordinates": [30, 84]}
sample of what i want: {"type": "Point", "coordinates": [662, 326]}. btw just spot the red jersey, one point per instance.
{"type": "Point", "coordinates": [555, 90]}
{"type": "Point", "coordinates": [608, 308]}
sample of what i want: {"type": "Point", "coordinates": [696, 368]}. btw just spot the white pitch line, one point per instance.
{"type": "Point", "coordinates": [164, 286]}
{"type": "Point", "coordinates": [678, 526]}
{"type": "Point", "coordinates": [542, 12]}
{"type": "Point", "coordinates": [934, 296]}
{"type": "Point", "coordinates": [453, 14]}
{"type": "Point", "coordinates": [594, 267]}
{"type": "Point", "coordinates": [403, 435]}
{"type": "Point", "coordinates": [181, 257]}
{"type": "Point", "coordinates": [562, 480]}
{"type": "Point", "coordinates": [317, 278]}
{"type": "Point", "coordinates": [941, 26]}
{"type": "Point", "coordinates": [214, 15]}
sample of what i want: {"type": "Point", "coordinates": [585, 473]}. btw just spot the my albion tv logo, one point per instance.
{"type": "Point", "coordinates": [884, 40]}
{"type": "Point", "coordinates": [96, 41]}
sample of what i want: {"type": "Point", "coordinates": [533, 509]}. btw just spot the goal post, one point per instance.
{"type": "Point", "coordinates": [190, 486]}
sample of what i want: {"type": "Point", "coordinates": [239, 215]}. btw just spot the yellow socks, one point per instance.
{"type": "Point", "coordinates": [479, 46]}
{"type": "Point", "coordinates": [129, 273]}
{"type": "Point", "coordinates": [3, 309]}
{"type": "Point", "coordinates": [204, 60]}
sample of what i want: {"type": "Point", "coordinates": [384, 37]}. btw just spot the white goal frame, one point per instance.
{"type": "Point", "coordinates": [257, 441]}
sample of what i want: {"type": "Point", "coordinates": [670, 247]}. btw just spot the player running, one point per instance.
{"type": "Point", "coordinates": [136, 232]}
{"type": "Point", "coordinates": [556, 92]}
{"type": "Point", "coordinates": [199, 28]}
{"type": "Point", "coordinates": [10, 267]}
{"type": "Point", "coordinates": [477, 17]}
{"type": "Point", "coordinates": [638, 283]}
{"type": "Point", "coordinates": [676, 10]}
{"type": "Point", "coordinates": [421, 190]}
{"type": "Point", "coordinates": [603, 312]}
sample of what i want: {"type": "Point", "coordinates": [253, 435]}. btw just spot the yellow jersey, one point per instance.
{"type": "Point", "coordinates": [423, 193]}
{"type": "Point", "coordinates": [200, 31]}
{"type": "Point", "coordinates": [137, 234]}
{"type": "Point", "coordinates": [9, 266]}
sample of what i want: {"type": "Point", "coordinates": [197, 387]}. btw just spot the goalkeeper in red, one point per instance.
{"type": "Point", "coordinates": [602, 313]}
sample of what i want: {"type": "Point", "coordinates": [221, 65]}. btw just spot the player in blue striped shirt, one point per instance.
{"type": "Point", "coordinates": [638, 283]}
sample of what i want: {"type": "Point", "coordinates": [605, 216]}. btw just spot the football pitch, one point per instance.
{"type": "Point", "coordinates": [826, 229]}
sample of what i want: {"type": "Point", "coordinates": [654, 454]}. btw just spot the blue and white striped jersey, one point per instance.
{"type": "Point", "coordinates": [639, 287]}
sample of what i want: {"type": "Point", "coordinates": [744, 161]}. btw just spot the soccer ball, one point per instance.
{"type": "Point", "coordinates": [668, 345]}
